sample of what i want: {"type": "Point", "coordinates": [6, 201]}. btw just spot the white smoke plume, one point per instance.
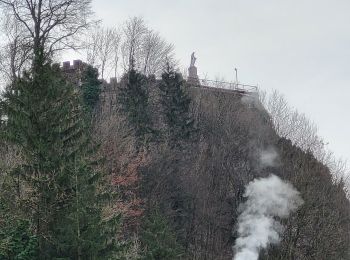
{"type": "Point", "coordinates": [267, 198]}
{"type": "Point", "coordinates": [268, 157]}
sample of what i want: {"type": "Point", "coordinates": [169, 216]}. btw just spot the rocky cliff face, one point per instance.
{"type": "Point", "coordinates": [199, 187]}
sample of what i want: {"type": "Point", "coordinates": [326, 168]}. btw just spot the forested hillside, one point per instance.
{"type": "Point", "coordinates": [150, 165]}
{"type": "Point", "coordinates": [198, 186]}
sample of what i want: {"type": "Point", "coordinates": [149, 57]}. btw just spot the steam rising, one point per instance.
{"type": "Point", "coordinates": [268, 157]}
{"type": "Point", "coordinates": [267, 198]}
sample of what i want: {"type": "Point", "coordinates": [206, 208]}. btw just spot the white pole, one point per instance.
{"type": "Point", "coordinates": [236, 72]}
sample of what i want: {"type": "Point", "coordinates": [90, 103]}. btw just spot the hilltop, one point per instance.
{"type": "Point", "coordinates": [200, 186]}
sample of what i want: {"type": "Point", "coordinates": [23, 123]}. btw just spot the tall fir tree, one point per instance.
{"type": "Point", "coordinates": [175, 104]}
{"type": "Point", "coordinates": [91, 87]}
{"type": "Point", "coordinates": [158, 239]}
{"type": "Point", "coordinates": [134, 102]}
{"type": "Point", "coordinates": [17, 240]}
{"type": "Point", "coordinates": [60, 193]}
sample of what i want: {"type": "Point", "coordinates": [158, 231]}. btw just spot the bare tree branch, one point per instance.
{"type": "Point", "coordinates": [50, 25]}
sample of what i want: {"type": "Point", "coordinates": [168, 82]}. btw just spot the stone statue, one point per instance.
{"type": "Point", "coordinates": [192, 72]}
{"type": "Point", "coordinates": [193, 60]}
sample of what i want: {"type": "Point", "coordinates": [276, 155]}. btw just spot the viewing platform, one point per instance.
{"type": "Point", "coordinates": [223, 86]}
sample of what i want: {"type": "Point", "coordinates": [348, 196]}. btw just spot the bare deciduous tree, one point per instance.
{"type": "Point", "coordinates": [49, 25]}
{"type": "Point", "coordinates": [134, 31]}
{"type": "Point", "coordinates": [134, 45]}
{"type": "Point", "coordinates": [103, 49]}
{"type": "Point", "coordinates": [295, 126]}
{"type": "Point", "coordinates": [144, 49]}
{"type": "Point", "coordinates": [291, 124]}
{"type": "Point", "coordinates": [115, 52]}
{"type": "Point", "coordinates": [15, 52]}
{"type": "Point", "coordinates": [155, 51]}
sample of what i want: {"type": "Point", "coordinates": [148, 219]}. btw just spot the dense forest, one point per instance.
{"type": "Point", "coordinates": [148, 166]}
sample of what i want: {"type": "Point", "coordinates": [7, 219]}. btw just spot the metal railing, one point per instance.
{"type": "Point", "coordinates": [223, 85]}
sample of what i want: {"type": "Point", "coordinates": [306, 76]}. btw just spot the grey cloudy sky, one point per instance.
{"type": "Point", "coordinates": [299, 47]}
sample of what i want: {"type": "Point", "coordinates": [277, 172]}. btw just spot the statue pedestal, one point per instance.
{"type": "Point", "coordinates": [192, 75]}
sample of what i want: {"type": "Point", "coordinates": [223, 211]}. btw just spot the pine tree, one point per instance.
{"type": "Point", "coordinates": [158, 239]}
{"type": "Point", "coordinates": [60, 194]}
{"type": "Point", "coordinates": [90, 87]}
{"type": "Point", "coordinates": [17, 240]}
{"type": "Point", "coordinates": [176, 107]}
{"type": "Point", "coordinates": [134, 102]}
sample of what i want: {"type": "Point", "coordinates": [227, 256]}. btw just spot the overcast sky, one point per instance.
{"type": "Point", "coordinates": [301, 48]}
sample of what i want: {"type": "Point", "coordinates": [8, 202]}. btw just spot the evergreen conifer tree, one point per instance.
{"type": "Point", "coordinates": [134, 102]}
{"type": "Point", "coordinates": [158, 239]}
{"type": "Point", "coordinates": [60, 194]}
{"type": "Point", "coordinates": [90, 87]}
{"type": "Point", "coordinates": [176, 107]}
{"type": "Point", "coordinates": [17, 240]}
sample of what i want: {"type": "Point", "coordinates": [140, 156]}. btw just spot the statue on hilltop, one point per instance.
{"type": "Point", "coordinates": [192, 71]}
{"type": "Point", "coordinates": [193, 60]}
